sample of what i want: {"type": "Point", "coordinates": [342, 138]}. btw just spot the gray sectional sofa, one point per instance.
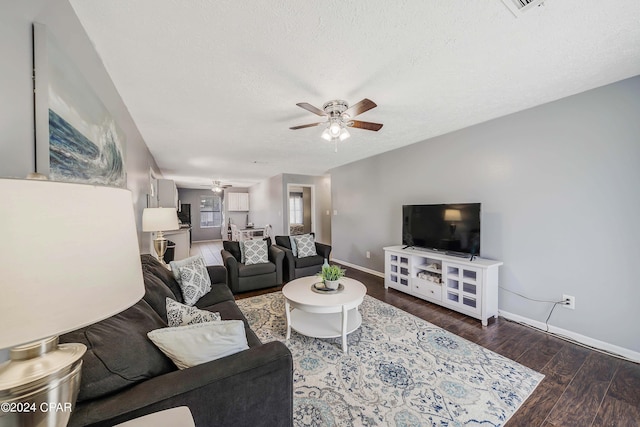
{"type": "Point", "coordinates": [125, 376]}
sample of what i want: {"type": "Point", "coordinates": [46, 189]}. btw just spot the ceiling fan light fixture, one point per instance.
{"type": "Point", "coordinates": [340, 116]}
{"type": "Point", "coordinates": [335, 128]}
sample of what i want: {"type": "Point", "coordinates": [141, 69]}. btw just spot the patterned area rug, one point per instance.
{"type": "Point", "coordinates": [400, 371]}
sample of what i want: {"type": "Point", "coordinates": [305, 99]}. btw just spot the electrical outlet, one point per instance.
{"type": "Point", "coordinates": [368, 254]}
{"type": "Point", "coordinates": [569, 302]}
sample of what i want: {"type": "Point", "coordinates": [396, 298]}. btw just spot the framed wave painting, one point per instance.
{"type": "Point", "coordinates": [77, 140]}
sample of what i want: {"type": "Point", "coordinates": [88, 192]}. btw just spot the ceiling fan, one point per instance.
{"type": "Point", "coordinates": [340, 117]}
{"type": "Point", "coordinates": [218, 186]}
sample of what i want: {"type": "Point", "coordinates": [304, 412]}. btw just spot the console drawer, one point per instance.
{"type": "Point", "coordinates": [427, 288]}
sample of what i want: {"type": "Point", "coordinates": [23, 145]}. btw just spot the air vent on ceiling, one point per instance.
{"type": "Point", "coordinates": [518, 7]}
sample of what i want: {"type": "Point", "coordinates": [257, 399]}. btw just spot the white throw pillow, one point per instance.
{"type": "Point", "coordinates": [193, 345]}
{"type": "Point", "coordinates": [255, 252]}
{"type": "Point", "coordinates": [306, 245]}
{"type": "Point", "coordinates": [195, 281]}
{"type": "Point", "coordinates": [182, 315]}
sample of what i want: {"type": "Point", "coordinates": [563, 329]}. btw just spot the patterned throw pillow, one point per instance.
{"type": "Point", "coordinates": [195, 281]}
{"type": "Point", "coordinates": [182, 315]}
{"type": "Point", "coordinates": [255, 252]}
{"type": "Point", "coordinates": [177, 265]}
{"type": "Point", "coordinates": [306, 245]}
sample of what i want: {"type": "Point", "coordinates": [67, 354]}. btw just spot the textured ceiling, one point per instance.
{"type": "Point", "coordinates": [212, 85]}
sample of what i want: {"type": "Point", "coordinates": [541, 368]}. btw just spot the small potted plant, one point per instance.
{"type": "Point", "coordinates": [331, 276]}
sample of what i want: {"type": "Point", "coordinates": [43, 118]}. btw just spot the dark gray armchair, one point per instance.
{"type": "Point", "coordinates": [295, 267]}
{"type": "Point", "coordinates": [242, 277]}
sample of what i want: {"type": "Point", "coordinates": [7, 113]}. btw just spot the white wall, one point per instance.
{"type": "Point", "coordinates": [16, 103]}
{"type": "Point", "coordinates": [560, 191]}
{"type": "Point", "coordinates": [265, 202]}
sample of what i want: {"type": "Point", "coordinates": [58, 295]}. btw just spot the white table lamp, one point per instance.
{"type": "Point", "coordinates": [159, 220]}
{"type": "Point", "coordinates": [69, 258]}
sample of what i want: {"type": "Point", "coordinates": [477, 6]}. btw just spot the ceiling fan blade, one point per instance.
{"type": "Point", "coordinates": [306, 126]}
{"type": "Point", "coordinates": [309, 107]}
{"type": "Point", "coordinates": [359, 108]}
{"type": "Point", "coordinates": [364, 125]}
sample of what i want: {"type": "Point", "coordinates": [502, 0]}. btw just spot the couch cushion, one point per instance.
{"type": "Point", "coordinates": [309, 261]}
{"type": "Point", "coordinates": [255, 269]}
{"type": "Point", "coordinates": [156, 293]}
{"type": "Point", "coordinates": [182, 315]}
{"type": "Point", "coordinates": [119, 354]}
{"type": "Point", "coordinates": [233, 248]}
{"type": "Point", "coordinates": [152, 266]}
{"type": "Point", "coordinates": [218, 293]}
{"type": "Point", "coordinates": [283, 241]}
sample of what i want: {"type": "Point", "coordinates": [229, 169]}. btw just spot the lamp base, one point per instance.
{"type": "Point", "coordinates": [160, 246]}
{"type": "Point", "coordinates": [39, 385]}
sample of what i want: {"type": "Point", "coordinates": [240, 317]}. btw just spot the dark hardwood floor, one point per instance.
{"type": "Point", "coordinates": [581, 387]}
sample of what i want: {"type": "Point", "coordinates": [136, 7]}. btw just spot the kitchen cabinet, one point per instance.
{"type": "Point", "coordinates": [238, 202]}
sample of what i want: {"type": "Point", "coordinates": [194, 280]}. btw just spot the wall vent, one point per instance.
{"type": "Point", "coordinates": [518, 7]}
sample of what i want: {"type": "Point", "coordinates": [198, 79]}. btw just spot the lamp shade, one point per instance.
{"type": "Point", "coordinates": [159, 219]}
{"type": "Point", "coordinates": [69, 257]}
{"type": "Point", "coordinates": [452, 215]}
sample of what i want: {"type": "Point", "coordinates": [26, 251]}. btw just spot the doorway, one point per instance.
{"type": "Point", "coordinates": [301, 209]}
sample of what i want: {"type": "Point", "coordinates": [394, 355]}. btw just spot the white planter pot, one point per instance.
{"type": "Point", "coordinates": [331, 284]}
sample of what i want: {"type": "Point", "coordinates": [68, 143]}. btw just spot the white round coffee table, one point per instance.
{"type": "Point", "coordinates": [323, 315]}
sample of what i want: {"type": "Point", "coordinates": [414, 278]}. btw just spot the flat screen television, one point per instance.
{"type": "Point", "coordinates": [451, 228]}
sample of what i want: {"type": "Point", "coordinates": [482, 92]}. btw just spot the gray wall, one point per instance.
{"type": "Point", "coordinates": [559, 187]}
{"type": "Point", "coordinates": [16, 103]}
{"type": "Point", "coordinates": [322, 190]}
{"type": "Point", "coordinates": [192, 197]}
{"type": "Point", "coordinates": [269, 203]}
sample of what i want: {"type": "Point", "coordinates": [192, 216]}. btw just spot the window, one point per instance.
{"type": "Point", "coordinates": [210, 212]}
{"type": "Point", "coordinates": [295, 208]}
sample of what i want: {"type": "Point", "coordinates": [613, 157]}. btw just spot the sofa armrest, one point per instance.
{"type": "Point", "coordinates": [323, 250]}
{"type": "Point", "coordinates": [217, 273]}
{"type": "Point", "coordinates": [288, 264]}
{"type": "Point", "coordinates": [250, 388]}
{"type": "Point", "coordinates": [276, 256]}
{"type": "Point", "coordinates": [231, 263]}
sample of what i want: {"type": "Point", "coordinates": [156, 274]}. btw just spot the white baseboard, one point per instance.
{"type": "Point", "coordinates": [357, 267]}
{"type": "Point", "coordinates": [582, 339]}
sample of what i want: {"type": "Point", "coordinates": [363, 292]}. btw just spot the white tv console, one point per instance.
{"type": "Point", "coordinates": [469, 287]}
